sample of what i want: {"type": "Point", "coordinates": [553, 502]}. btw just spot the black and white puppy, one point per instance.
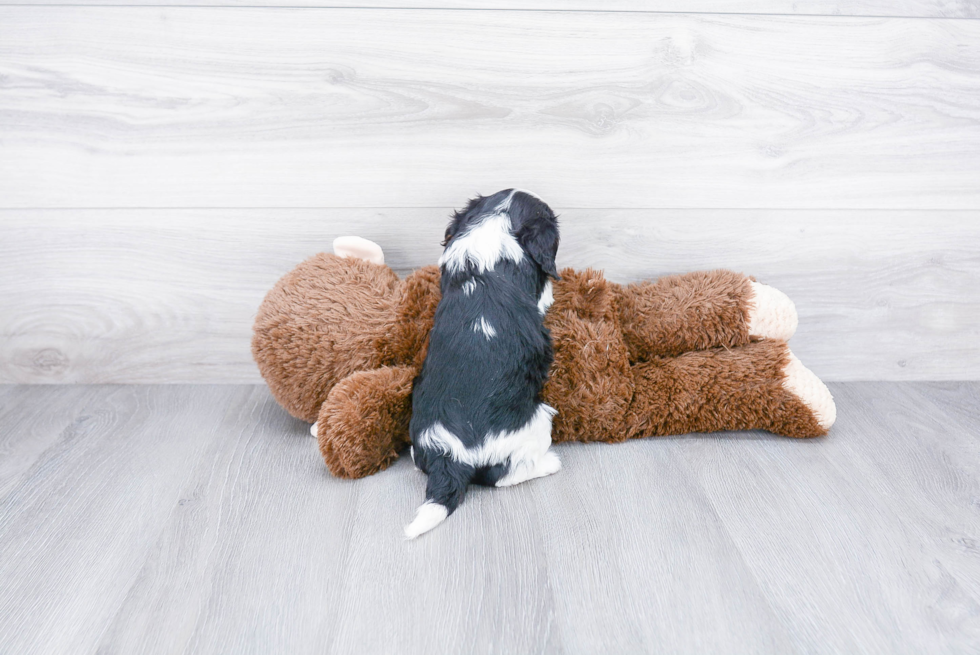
{"type": "Point", "coordinates": [477, 415]}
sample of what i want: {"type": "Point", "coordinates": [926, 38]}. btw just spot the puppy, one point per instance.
{"type": "Point", "coordinates": [477, 414]}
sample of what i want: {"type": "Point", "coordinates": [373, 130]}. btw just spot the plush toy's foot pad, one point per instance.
{"type": "Point", "coordinates": [526, 470]}
{"type": "Point", "coordinates": [805, 385]}
{"type": "Point", "coordinates": [773, 314]}
{"type": "Point", "coordinates": [313, 430]}
{"type": "Point", "coordinates": [359, 248]}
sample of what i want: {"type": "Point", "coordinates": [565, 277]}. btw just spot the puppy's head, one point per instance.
{"type": "Point", "coordinates": [526, 218]}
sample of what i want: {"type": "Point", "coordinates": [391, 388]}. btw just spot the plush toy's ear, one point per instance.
{"type": "Point", "coordinates": [539, 238]}
{"type": "Point", "coordinates": [358, 248]}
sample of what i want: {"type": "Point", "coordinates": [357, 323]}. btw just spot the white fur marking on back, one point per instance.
{"type": "Point", "coordinates": [529, 442]}
{"type": "Point", "coordinates": [428, 516]}
{"type": "Point", "coordinates": [483, 245]}
{"type": "Point", "coordinates": [805, 385]}
{"type": "Point", "coordinates": [484, 326]}
{"type": "Point", "coordinates": [469, 287]}
{"type": "Point", "coordinates": [547, 297]}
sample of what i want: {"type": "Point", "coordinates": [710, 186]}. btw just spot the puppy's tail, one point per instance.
{"type": "Point", "coordinates": [443, 493]}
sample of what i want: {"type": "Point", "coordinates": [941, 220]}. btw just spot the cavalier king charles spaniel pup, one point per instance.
{"type": "Point", "coordinates": [477, 414]}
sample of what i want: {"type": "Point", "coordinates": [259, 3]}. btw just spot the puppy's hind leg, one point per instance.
{"type": "Point", "coordinates": [528, 469]}
{"type": "Point", "coordinates": [444, 491]}
{"type": "Point", "coordinates": [533, 459]}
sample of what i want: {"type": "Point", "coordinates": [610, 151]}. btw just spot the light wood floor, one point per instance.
{"type": "Point", "coordinates": [200, 519]}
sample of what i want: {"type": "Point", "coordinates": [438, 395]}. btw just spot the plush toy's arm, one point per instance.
{"type": "Point", "coordinates": [697, 311]}
{"type": "Point", "coordinates": [364, 422]}
{"type": "Point", "coordinates": [757, 386]}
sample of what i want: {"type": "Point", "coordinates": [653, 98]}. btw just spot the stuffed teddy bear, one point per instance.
{"type": "Point", "coordinates": [340, 338]}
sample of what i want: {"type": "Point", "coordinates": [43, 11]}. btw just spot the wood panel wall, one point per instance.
{"type": "Point", "coordinates": [162, 166]}
{"type": "Point", "coordinates": [889, 8]}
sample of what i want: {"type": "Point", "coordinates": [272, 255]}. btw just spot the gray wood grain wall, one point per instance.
{"type": "Point", "coordinates": [889, 8]}
{"type": "Point", "coordinates": [162, 166]}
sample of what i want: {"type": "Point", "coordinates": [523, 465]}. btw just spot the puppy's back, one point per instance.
{"type": "Point", "coordinates": [488, 357]}
{"type": "Point", "coordinates": [476, 400]}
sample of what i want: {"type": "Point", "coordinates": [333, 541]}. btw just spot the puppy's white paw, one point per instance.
{"type": "Point", "coordinates": [773, 314]}
{"type": "Point", "coordinates": [359, 248]}
{"type": "Point", "coordinates": [548, 464]}
{"type": "Point", "coordinates": [805, 385]}
{"type": "Point", "coordinates": [527, 469]}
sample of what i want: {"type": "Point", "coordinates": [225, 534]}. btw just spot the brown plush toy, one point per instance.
{"type": "Point", "coordinates": [340, 339]}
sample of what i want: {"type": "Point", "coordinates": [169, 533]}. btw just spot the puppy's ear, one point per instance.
{"type": "Point", "coordinates": [539, 238]}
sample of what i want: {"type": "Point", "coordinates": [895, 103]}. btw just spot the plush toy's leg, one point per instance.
{"type": "Point", "coordinates": [760, 385]}
{"type": "Point", "coordinates": [697, 311]}
{"type": "Point", "coordinates": [363, 424]}
{"type": "Point", "coordinates": [771, 315]}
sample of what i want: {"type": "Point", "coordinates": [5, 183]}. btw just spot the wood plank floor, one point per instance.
{"type": "Point", "coordinates": [199, 519]}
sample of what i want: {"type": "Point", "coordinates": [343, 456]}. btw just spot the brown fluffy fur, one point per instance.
{"type": "Point", "coordinates": [339, 342]}
{"type": "Point", "coordinates": [320, 323]}
{"type": "Point", "coordinates": [590, 383]}
{"type": "Point", "coordinates": [718, 389]}
{"type": "Point", "coordinates": [367, 414]}
{"type": "Point", "coordinates": [681, 313]}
